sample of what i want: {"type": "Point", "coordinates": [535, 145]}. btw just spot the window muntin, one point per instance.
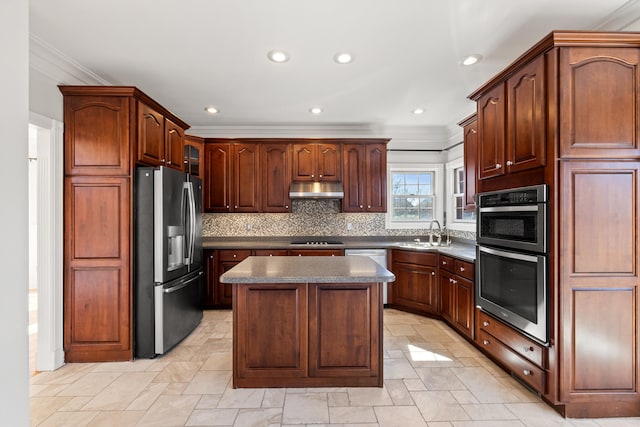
{"type": "Point", "coordinates": [412, 196]}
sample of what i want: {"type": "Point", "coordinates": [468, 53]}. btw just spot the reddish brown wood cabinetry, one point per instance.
{"type": "Point", "coordinates": [491, 132]}
{"type": "Point", "coordinates": [457, 293]}
{"type": "Point", "coordinates": [105, 129]}
{"type": "Point", "coordinates": [276, 177]}
{"type": "Point", "coordinates": [365, 177]}
{"type": "Point", "coordinates": [317, 162]}
{"type": "Point", "coordinates": [193, 155]}
{"type": "Point", "coordinates": [470, 133]}
{"type": "Point", "coordinates": [160, 139]}
{"type": "Point", "coordinates": [416, 286]}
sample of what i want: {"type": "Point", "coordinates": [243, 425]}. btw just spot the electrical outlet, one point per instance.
{"type": "Point", "coordinates": [349, 226]}
{"type": "Point", "coordinates": [249, 226]}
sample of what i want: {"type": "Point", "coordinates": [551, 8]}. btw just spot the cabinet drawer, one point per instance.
{"type": "Point", "coordinates": [521, 367]}
{"type": "Point", "coordinates": [234, 254]}
{"type": "Point", "coordinates": [421, 258]}
{"type": "Point", "coordinates": [316, 252]}
{"type": "Point", "coordinates": [271, 252]}
{"type": "Point", "coordinates": [518, 343]}
{"type": "Point", "coordinates": [447, 263]}
{"type": "Point", "coordinates": [465, 269]}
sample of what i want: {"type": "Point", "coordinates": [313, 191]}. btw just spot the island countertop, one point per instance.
{"type": "Point", "coordinates": [309, 269]}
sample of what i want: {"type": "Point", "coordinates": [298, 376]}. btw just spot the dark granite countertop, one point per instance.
{"type": "Point", "coordinates": [308, 269]}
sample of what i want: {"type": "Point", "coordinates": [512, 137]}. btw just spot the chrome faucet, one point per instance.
{"type": "Point", "coordinates": [439, 236]}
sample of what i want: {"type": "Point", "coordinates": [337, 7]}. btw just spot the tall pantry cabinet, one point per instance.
{"type": "Point", "coordinates": [566, 113]}
{"type": "Point", "coordinates": [107, 131]}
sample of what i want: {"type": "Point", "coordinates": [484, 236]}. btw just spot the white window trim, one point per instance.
{"type": "Point", "coordinates": [438, 210]}
{"type": "Point", "coordinates": [455, 224]}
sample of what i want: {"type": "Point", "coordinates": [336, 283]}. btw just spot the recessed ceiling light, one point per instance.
{"type": "Point", "coordinates": [278, 56]}
{"type": "Point", "coordinates": [315, 110]}
{"type": "Point", "coordinates": [212, 110]}
{"type": "Point", "coordinates": [471, 59]}
{"type": "Point", "coordinates": [418, 111]}
{"type": "Point", "coordinates": [343, 58]}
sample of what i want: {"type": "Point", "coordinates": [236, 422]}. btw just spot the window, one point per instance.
{"type": "Point", "coordinates": [458, 197]}
{"type": "Point", "coordinates": [413, 201]}
{"type": "Point", "coordinates": [457, 217]}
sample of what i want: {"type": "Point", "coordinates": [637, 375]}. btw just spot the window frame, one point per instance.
{"type": "Point", "coordinates": [453, 223]}
{"type": "Point", "coordinates": [438, 211]}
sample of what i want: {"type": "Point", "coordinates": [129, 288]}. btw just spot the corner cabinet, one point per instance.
{"type": "Point", "coordinates": [106, 128]}
{"type": "Point", "coordinates": [416, 286]}
{"type": "Point", "coordinates": [365, 177]}
{"type": "Point", "coordinates": [457, 294]}
{"type": "Point", "coordinates": [567, 110]}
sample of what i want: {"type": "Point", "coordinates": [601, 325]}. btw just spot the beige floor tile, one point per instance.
{"type": "Point", "coordinates": [169, 411]}
{"type": "Point", "coordinates": [490, 423]}
{"type": "Point", "coordinates": [76, 403]}
{"type": "Point", "coordinates": [398, 392]}
{"type": "Point", "coordinates": [241, 398]}
{"type": "Point", "coordinates": [399, 416]}
{"type": "Point", "coordinates": [212, 417]}
{"type": "Point", "coordinates": [147, 396]}
{"type": "Point", "coordinates": [42, 407]}
{"type": "Point", "coordinates": [401, 329]}
{"type": "Point", "coordinates": [439, 379]}
{"type": "Point", "coordinates": [178, 372]}
{"type": "Point", "coordinates": [209, 401]}
{"type": "Point", "coordinates": [338, 398]}
{"type": "Point", "coordinates": [174, 389]}
{"type": "Point", "coordinates": [121, 392]}
{"type": "Point", "coordinates": [369, 396]}
{"type": "Point", "coordinates": [208, 382]}
{"type": "Point", "coordinates": [439, 406]}
{"type": "Point", "coordinates": [305, 408]}
{"type": "Point", "coordinates": [90, 384]}
{"type": "Point", "coordinates": [138, 365]}
{"type": "Point", "coordinates": [464, 396]}
{"type": "Point", "coordinates": [351, 414]}
{"type": "Point", "coordinates": [116, 418]}
{"type": "Point", "coordinates": [398, 369]}
{"type": "Point", "coordinates": [64, 419]}
{"type": "Point", "coordinates": [484, 386]}
{"type": "Point", "coordinates": [218, 362]}
{"type": "Point", "coordinates": [273, 398]}
{"type": "Point", "coordinates": [259, 417]}
{"type": "Point", "coordinates": [66, 374]}
{"type": "Point", "coordinates": [414, 385]}
{"type": "Point", "coordinates": [619, 422]}
{"type": "Point", "coordinates": [488, 411]}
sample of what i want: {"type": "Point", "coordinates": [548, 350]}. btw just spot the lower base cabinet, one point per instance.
{"type": "Point", "coordinates": [416, 286]}
{"type": "Point", "coordinates": [457, 294]}
{"type": "Point", "coordinates": [307, 335]}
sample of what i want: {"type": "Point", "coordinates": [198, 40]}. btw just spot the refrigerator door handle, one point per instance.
{"type": "Point", "coordinates": [180, 286]}
{"type": "Point", "coordinates": [192, 222]}
{"type": "Point", "coordinates": [186, 212]}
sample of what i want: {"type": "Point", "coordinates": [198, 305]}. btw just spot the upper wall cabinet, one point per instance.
{"type": "Point", "coordinates": [365, 177]}
{"type": "Point", "coordinates": [276, 177]}
{"type": "Point", "coordinates": [599, 93]}
{"type": "Point", "coordinates": [160, 140]}
{"type": "Point", "coordinates": [193, 153]}
{"type": "Point", "coordinates": [317, 162]}
{"type": "Point", "coordinates": [470, 132]}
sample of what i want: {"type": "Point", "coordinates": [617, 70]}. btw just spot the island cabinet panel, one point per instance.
{"type": "Point", "coordinates": [599, 92]}
{"type": "Point", "coordinates": [600, 269]}
{"type": "Point", "coordinates": [416, 285]}
{"type": "Point", "coordinates": [274, 313]}
{"type": "Point", "coordinates": [96, 289]}
{"type": "Point", "coordinates": [97, 135]}
{"type": "Point", "coordinates": [342, 323]}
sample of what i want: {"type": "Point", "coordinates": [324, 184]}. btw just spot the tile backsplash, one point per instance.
{"type": "Point", "coordinates": [307, 218]}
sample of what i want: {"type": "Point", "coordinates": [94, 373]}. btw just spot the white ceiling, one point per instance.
{"type": "Point", "coordinates": [190, 54]}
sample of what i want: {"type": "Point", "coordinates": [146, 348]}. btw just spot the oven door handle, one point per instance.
{"type": "Point", "coordinates": [505, 254]}
{"type": "Point", "coordinates": [525, 208]}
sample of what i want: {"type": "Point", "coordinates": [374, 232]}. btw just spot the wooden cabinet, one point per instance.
{"type": "Point", "coordinates": [276, 177]}
{"type": "Point", "coordinates": [599, 89]}
{"type": "Point", "coordinates": [416, 286]}
{"type": "Point", "coordinates": [294, 335]}
{"type": "Point", "coordinates": [523, 357]}
{"type": "Point", "coordinates": [107, 128]}
{"type": "Point", "coordinates": [232, 178]}
{"type": "Point", "coordinates": [317, 162]}
{"type": "Point", "coordinates": [193, 154]}
{"type": "Point", "coordinates": [457, 293]}
{"type": "Point", "coordinates": [365, 177]}
{"type": "Point", "coordinates": [491, 132]}
{"type": "Point", "coordinates": [211, 275]}
{"type": "Point", "coordinates": [316, 252]}
{"type": "Point", "coordinates": [227, 259]}
{"type": "Point", "coordinates": [160, 139]}
{"type": "Point", "coordinates": [470, 132]}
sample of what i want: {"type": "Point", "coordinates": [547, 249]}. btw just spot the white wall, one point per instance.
{"type": "Point", "coordinates": [14, 118]}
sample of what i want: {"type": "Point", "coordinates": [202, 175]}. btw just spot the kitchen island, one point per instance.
{"type": "Point", "coordinates": [307, 321]}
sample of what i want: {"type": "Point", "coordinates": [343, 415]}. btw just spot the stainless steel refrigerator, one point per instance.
{"type": "Point", "coordinates": [168, 259]}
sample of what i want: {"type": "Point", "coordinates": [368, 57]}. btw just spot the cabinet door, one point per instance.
{"type": "Point", "coordinates": [246, 178]}
{"type": "Point", "coordinates": [97, 283]}
{"type": "Point", "coordinates": [415, 287]}
{"type": "Point", "coordinates": [217, 176]}
{"type": "Point", "coordinates": [599, 110]}
{"type": "Point", "coordinates": [174, 145]}
{"type": "Point", "coordinates": [599, 273]}
{"type": "Point", "coordinates": [447, 296]}
{"type": "Point", "coordinates": [276, 177]}
{"type": "Point", "coordinates": [329, 162]}
{"type": "Point", "coordinates": [343, 325]}
{"type": "Point", "coordinates": [464, 305]}
{"type": "Point", "coordinates": [304, 162]}
{"type": "Point", "coordinates": [470, 164]}
{"type": "Point", "coordinates": [354, 178]}
{"type": "Point", "coordinates": [210, 279]}
{"type": "Point", "coordinates": [150, 136]}
{"type": "Point", "coordinates": [526, 120]}
{"type": "Point", "coordinates": [376, 177]}
{"type": "Point", "coordinates": [193, 153]}
{"type": "Point", "coordinates": [96, 135]}
{"type": "Point", "coordinates": [491, 133]}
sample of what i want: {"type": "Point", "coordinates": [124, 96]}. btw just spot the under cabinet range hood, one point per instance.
{"type": "Point", "coordinates": [316, 190]}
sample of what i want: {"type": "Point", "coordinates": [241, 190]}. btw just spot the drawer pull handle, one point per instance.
{"type": "Point", "coordinates": [527, 373]}
{"type": "Point", "coordinates": [461, 268]}
{"type": "Point", "coordinates": [527, 349]}
{"type": "Point", "coordinates": [486, 342]}
{"type": "Point", "coordinates": [485, 323]}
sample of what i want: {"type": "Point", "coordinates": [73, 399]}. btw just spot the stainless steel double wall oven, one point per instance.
{"type": "Point", "coordinates": [512, 258]}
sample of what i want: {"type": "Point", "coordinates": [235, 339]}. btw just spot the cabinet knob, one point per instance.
{"type": "Point", "coordinates": [211, 256]}
{"type": "Point", "coordinates": [286, 206]}
{"type": "Point", "coordinates": [455, 281]}
{"type": "Point", "coordinates": [486, 342]}
{"type": "Point", "coordinates": [227, 206]}
{"type": "Point", "coordinates": [319, 176]}
{"type": "Point", "coordinates": [450, 280]}
{"type": "Point", "coordinates": [527, 372]}
{"type": "Point", "coordinates": [361, 207]}
{"type": "Point", "coordinates": [313, 176]}
{"type": "Point", "coordinates": [498, 166]}
{"type": "Point", "coordinates": [485, 323]}
{"type": "Point", "coordinates": [163, 160]}
{"type": "Point", "coordinates": [509, 162]}
{"type": "Point", "coordinates": [169, 162]}
{"type": "Point", "coordinates": [528, 349]}
{"type": "Point", "coordinates": [444, 262]}
{"type": "Point", "coordinates": [461, 268]}
{"type": "Point", "coordinates": [235, 256]}
{"type": "Point", "coordinates": [235, 207]}
{"type": "Point", "coordinates": [299, 254]}
{"type": "Point", "coordinates": [368, 206]}
{"type": "Point", "coordinates": [433, 273]}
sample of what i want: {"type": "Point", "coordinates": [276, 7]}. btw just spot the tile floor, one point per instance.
{"type": "Point", "coordinates": [433, 378]}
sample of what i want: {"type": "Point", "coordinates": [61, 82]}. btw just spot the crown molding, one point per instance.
{"type": "Point", "coordinates": [622, 18]}
{"type": "Point", "coordinates": [54, 64]}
